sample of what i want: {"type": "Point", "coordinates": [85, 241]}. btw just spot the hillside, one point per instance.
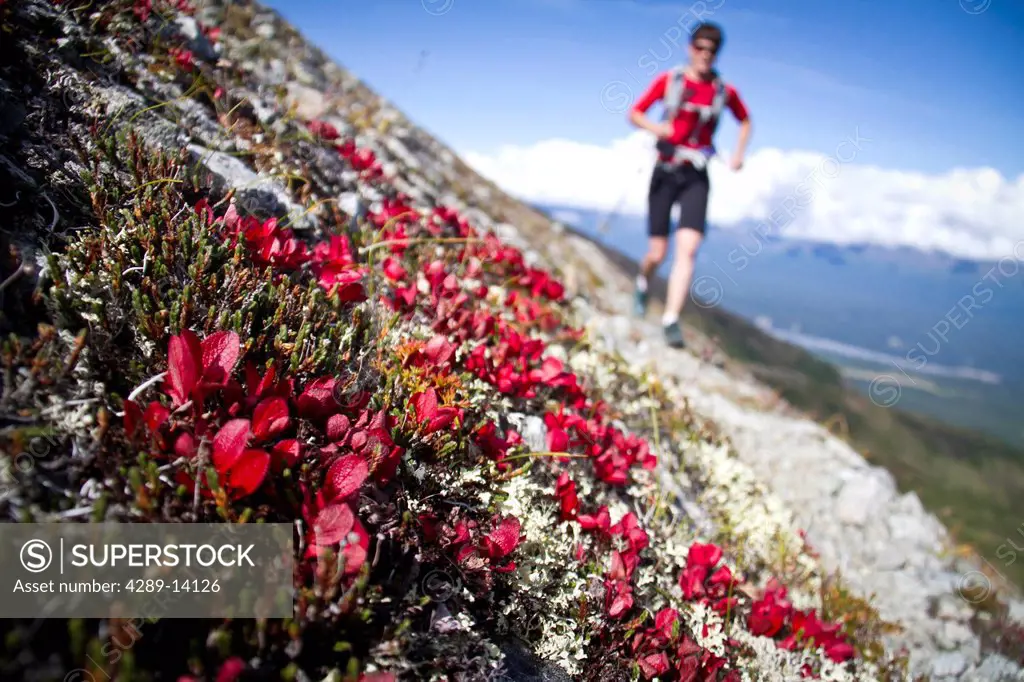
{"type": "Point", "coordinates": [240, 288]}
{"type": "Point", "coordinates": [973, 482]}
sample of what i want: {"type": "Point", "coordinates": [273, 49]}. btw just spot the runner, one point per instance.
{"type": "Point", "coordinates": [693, 97]}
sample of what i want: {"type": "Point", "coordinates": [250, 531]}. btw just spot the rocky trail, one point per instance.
{"type": "Point", "coordinates": [738, 474]}
{"type": "Point", "coordinates": [884, 543]}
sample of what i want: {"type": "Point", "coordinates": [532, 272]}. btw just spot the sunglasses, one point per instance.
{"type": "Point", "coordinates": [710, 48]}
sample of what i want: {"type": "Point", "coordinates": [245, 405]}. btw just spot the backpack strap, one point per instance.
{"type": "Point", "coordinates": [675, 91]}
{"type": "Point", "coordinates": [721, 95]}
{"type": "Point", "coordinates": [709, 115]}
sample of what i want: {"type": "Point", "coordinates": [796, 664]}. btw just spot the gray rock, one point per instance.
{"type": "Point", "coordinates": [121, 101]}
{"type": "Point", "coordinates": [269, 73]}
{"type": "Point", "coordinates": [350, 203]}
{"type": "Point", "coordinates": [308, 75]}
{"type": "Point", "coordinates": [257, 195]}
{"type": "Point", "coordinates": [956, 635]}
{"type": "Point", "coordinates": [616, 330]}
{"type": "Point", "coordinates": [950, 607]}
{"type": "Point", "coordinates": [198, 43]}
{"type": "Point", "coordinates": [197, 121]}
{"type": "Point", "coordinates": [908, 531]}
{"type": "Point", "coordinates": [532, 429]}
{"type": "Point", "coordinates": [265, 112]}
{"type": "Point", "coordinates": [859, 499]}
{"type": "Point", "coordinates": [161, 133]}
{"type": "Point", "coordinates": [948, 664]}
{"type": "Point", "coordinates": [685, 503]}
{"type": "Point", "coordinates": [265, 31]}
{"type": "Point", "coordinates": [995, 668]}
{"type": "Point", "coordinates": [1016, 613]}
{"type": "Point", "coordinates": [404, 155]}
{"type": "Point", "coordinates": [309, 102]}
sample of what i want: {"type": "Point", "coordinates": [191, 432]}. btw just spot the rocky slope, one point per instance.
{"type": "Point", "coordinates": [516, 481]}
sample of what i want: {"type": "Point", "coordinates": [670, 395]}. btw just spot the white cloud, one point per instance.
{"type": "Point", "coordinates": [970, 213]}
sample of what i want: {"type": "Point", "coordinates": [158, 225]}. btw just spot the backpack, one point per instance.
{"type": "Point", "coordinates": [677, 97]}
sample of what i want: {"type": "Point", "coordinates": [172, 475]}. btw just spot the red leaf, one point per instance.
{"type": "Point", "coordinates": [220, 353]}
{"type": "Point", "coordinates": [504, 539]}
{"type": "Point", "coordinates": [229, 444]}
{"type": "Point", "coordinates": [691, 580]}
{"type": "Point", "coordinates": [155, 416]}
{"type": "Point", "coordinates": [317, 400]}
{"type": "Point", "coordinates": [455, 536]}
{"type": "Point", "coordinates": [287, 453]}
{"type": "Point", "coordinates": [550, 369]}
{"type": "Point", "coordinates": [425, 405]}
{"type": "Point", "coordinates": [231, 669]}
{"type": "Point", "coordinates": [338, 427]}
{"type": "Point", "coordinates": [322, 129]}
{"type": "Point", "coordinates": [622, 566]}
{"type": "Point", "coordinates": [839, 651]}
{"type": "Point", "coordinates": [688, 669]}
{"type": "Point", "coordinates": [346, 283]}
{"type": "Point", "coordinates": [332, 524]}
{"type": "Point", "coordinates": [183, 366]}
{"type": "Point", "coordinates": [354, 553]}
{"type": "Point", "coordinates": [618, 598]}
{"type": "Point", "coordinates": [438, 350]}
{"type": "Point", "coordinates": [569, 503]}
{"type": "Point", "coordinates": [653, 665]}
{"type": "Point", "coordinates": [256, 385]}
{"type": "Point", "coordinates": [601, 522]}
{"type": "Point", "coordinates": [345, 477]}
{"type": "Point", "coordinates": [723, 576]}
{"type": "Point", "coordinates": [185, 445]}
{"type": "Point", "coordinates": [270, 418]}
{"type": "Point", "coordinates": [706, 555]}
{"type": "Point", "coordinates": [444, 417]}
{"type": "Point", "coordinates": [558, 440]}
{"type": "Point", "coordinates": [665, 619]}
{"type": "Point", "coordinates": [687, 648]}
{"type": "Point", "coordinates": [386, 468]}
{"type": "Point", "coordinates": [132, 417]}
{"type": "Point", "coordinates": [246, 475]}
{"type": "Point", "coordinates": [393, 270]}
{"type": "Point", "coordinates": [620, 605]}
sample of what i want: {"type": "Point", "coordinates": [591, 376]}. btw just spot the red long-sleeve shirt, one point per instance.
{"type": "Point", "coordinates": [685, 121]}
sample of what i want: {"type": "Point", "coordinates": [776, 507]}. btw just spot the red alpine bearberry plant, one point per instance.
{"type": "Point", "coordinates": [463, 467]}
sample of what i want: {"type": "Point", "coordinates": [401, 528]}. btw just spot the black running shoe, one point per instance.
{"type": "Point", "coordinates": [674, 335]}
{"type": "Point", "coordinates": [639, 302]}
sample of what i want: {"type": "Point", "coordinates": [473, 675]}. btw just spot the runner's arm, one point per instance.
{"type": "Point", "coordinates": [654, 93]}
{"type": "Point", "coordinates": [739, 110]}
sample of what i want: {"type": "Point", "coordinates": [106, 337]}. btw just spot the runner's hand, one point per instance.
{"type": "Point", "coordinates": [736, 163]}
{"type": "Point", "coordinates": [663, 130]}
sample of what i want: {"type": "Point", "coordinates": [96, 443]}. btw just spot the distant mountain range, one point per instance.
{"type": "Point", "coordinates": [947, 330]}
{"type": "Point", "coordinates": [902, 256]}
{"type": "Point", "coordinates": [746, 235]}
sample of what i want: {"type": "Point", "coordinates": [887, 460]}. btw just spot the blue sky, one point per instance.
{"type": "Point", "coordinates": [934, 86]}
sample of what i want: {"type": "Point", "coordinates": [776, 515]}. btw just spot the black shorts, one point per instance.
{"type": "Point", "coordinates": [685, 184]}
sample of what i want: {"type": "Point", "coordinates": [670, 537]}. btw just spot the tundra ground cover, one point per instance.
{"type": "Point", "coordinates": [462, 464]}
